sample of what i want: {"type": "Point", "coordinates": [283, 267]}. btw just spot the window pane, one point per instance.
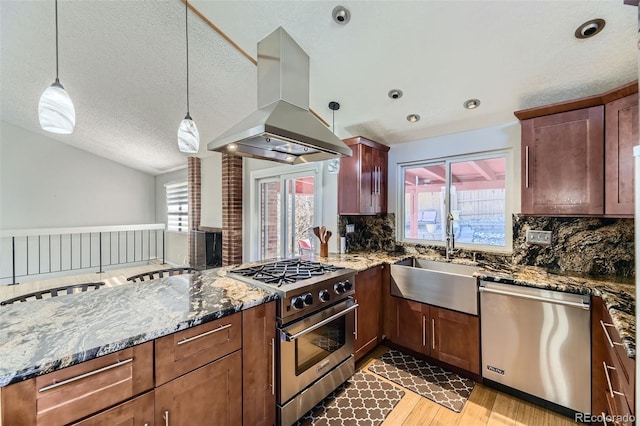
{"type": "Point", "coordinates": [424, 189]}
{"type": "Point", "coordinates": [301, 208]}
{"type": "Point", "coordinates": [478, 201]}
{"type": "Point", "coordinates": [270, 219]}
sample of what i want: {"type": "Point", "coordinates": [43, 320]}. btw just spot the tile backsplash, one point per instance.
{"type": "Point", "coordinates": [598, 246]}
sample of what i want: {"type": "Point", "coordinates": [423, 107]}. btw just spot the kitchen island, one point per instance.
{"type": "Point", "coordinates": [42, 336]}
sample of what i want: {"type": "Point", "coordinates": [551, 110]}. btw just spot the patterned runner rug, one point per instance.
{"type": "Point", "coordinates": [441, 386]}
{"type": "Point", "coordinates": [363, 400]}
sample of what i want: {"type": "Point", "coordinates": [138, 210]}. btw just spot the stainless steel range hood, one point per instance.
{"type": "Point", "coordinates": [282, 129]}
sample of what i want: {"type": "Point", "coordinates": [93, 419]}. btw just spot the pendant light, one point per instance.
{"type": "Point", "coordinates": [55, 109]}
{"type": "Point", "coordinates": [188, 137]}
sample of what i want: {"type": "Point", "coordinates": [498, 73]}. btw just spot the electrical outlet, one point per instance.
{"type": "Point", "coordinates": [351, 228]}
{"type": "Point", "coordinates": [539, 237]}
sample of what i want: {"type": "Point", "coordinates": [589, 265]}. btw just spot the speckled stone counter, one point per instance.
{"type": "Point", "coordinates": [41, 336]}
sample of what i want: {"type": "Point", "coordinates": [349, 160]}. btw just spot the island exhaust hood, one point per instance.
{"type": "Point", "coordinates": [282, 129]}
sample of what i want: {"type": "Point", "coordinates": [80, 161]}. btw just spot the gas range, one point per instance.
{"type": "Point", "coordinates": [304, 286]}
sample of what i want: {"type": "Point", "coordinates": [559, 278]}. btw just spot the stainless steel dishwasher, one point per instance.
{"type": "Point", "coordinates": [537, 342]}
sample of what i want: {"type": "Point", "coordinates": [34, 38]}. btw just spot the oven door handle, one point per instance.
{"type": "Point", "coordinates": [292, 337]}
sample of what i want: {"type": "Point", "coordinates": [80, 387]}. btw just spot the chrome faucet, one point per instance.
{"type": "Point", "coordinates": [451, 237]}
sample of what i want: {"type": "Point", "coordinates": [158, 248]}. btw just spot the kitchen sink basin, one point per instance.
{"type": "Point", "coordinates": [443, 284]}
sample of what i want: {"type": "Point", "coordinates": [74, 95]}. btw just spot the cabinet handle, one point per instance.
{"type": "Point", "coordinates": [165, 416]}
{"type": "Point", "coordinates": [433, 333]}
{"type": "Point", "coordinates": [604, 419]}
{"type": "Point", "coordinates": [606, 373]}
{"type": "Point", "coordinates": [526, 166]}
{"type": "Point", "coordinates": [82, 376]}
{"type": "Point", "coordinates": [378, 180]}
{"type": "Point", "coordinates": [424, 331]}
{"type": "Point", "coordinates": [190, 339]}
{"type": "Point", "coordinates": [606, 333]}
{"type": "Point", "coordinates": [273, 366]}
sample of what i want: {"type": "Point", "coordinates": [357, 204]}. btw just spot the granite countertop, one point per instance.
{"type": "Point", "coordinates": [42, 336]}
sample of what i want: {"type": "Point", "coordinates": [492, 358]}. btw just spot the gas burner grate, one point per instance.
{"type": "Point", "coordinates": [286, 271]}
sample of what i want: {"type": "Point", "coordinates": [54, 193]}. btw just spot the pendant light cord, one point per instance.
{"type": "Point", "coordinates": [333, 126]}
{"type": "Point", "coordinates": [57, 80]}
{"type": "Point", "coordinates": [186, 33]}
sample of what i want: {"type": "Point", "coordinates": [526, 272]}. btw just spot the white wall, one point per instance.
{"type": "Point", "coordinates": [176, 243]}
{"type": "Point", "coordinates": [46, 183]}
{"type": "Point", "coordinates": [502, 137]}
{"type": "Point", "coordinates": [211, 190]}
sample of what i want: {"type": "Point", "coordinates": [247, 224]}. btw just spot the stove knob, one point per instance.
{"type": "Point", "coordinates": [297, 303]}
{"type": "Point", "coordinates": [339, 288]}
{"type": "Point", "coordinates": [324, 295]}
{"type": "Point", "coordinates": [308, 299]}
{"type": "Point", "coordinates": [348, 286]}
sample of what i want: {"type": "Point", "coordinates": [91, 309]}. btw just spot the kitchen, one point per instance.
{"type": "Point", "coordinates": [144, 195]}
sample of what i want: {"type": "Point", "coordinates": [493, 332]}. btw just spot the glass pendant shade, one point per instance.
{"type": "Point", "coordinates": [188, 137]}
{"type": "Point", "coordinates": [56, 111]}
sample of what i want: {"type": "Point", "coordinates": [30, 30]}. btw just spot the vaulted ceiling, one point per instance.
{"type": "Point", "coordinates": [123, 64]}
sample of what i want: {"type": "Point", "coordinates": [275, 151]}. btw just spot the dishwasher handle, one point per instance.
{"type": "Point", "coordinates": [537, 298]}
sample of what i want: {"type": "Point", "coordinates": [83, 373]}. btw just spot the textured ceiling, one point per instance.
{"type": "Point", "coordinates": [123, 64]}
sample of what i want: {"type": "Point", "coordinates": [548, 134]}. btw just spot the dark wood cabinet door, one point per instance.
{"type": "Point", "coordinates": [455, 338]}
{"type": "Point", "coordinates": [258, 360]}
{"type": "Point", "coordinates": [210, 395]}
{"type": "Point", "coordinates": [369, 298]}
{"type": "Point", "coordinates": [137, 412]}
{"type": "Point", "coordinates": [563, 163]}
{"type": "Point", "coordinates": [621, 135]}
{"type": "Point", "coordinates": [362, 180]}
{"type": "Point", "coordinates": [410, 325]}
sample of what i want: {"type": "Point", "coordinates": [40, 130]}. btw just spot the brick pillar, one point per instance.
{"type": "Point", "coordinates": [231, 209]}
{"type": "Point", "coordinates": [195, 201]}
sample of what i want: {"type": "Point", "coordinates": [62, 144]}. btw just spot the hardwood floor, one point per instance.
{"type": "Point", "coordinates": [485, 406]}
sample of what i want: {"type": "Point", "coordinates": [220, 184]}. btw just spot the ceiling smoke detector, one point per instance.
{"type": "Point", "coordinates": [412, 118]}
{"type": "Point", "coordinates": [590, 28]}
{"type": "Point", "coordinates": [471, 103]}
{"type": "Point", "coordinates": [395, 94]}
{"type": "Point", "coordinates": [341, 15]}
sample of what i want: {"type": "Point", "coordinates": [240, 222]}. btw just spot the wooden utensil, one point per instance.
{"type": "Point", "coordinates": [328, 235]}
{"type": "Point", "coordinates": [316, 232]}
{"type": "Point", "coordinates": [323, 231]}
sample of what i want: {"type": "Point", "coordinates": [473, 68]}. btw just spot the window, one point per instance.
{"type": "Point", "coordinates": [177, 207]}
{"type": "Point", "coordinates": [471, 189]}
{"type": "Point", "coordinates": [287, 207]}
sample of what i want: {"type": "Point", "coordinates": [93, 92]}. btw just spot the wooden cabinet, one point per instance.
{"type": "Point", "coordinates": [577, 158]}
{"type": "Point", "coordinates": [184, 351]}
{"type": "Point", "coordinates": [368, 314]}
{"type": "Point", "coordinates": [448, 336]}
{"type": "Point", "coordinates": [362, 180]}
{"type": "Point", "coordinates": [613, 372]}
{"type": "Point", "coordinates": [621, 135]}
{"type": "Point", "coordinates": [210, 395]}
{"type": "Point", "coordinates": [72, 393]}
{"type": "Point", "coordinates": [562, 163]}
{"type": "Point", "coordinates": [137, 412]}
{"type": "Point", "coordinates": [258, 361]}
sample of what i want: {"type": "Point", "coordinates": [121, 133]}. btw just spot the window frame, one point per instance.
{"type": "Point", "coordinates": [181, 187]}
{"type": "Point", "coordinates": [506, 154]}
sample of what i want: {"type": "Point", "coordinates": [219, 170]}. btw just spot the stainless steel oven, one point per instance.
{"type": "Point", "coordinates": [315, 323]}
{"type": "Point", "coordinates": [315, 353]}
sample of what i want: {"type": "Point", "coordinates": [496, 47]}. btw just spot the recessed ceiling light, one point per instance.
{"type": "Point", "coordinates": [412, 118]}
{"type": "Point", "coordinates": [590, 28]}
{"type": "Point", "coordinates": [341, 15]}
{"type": "Point", "coordinates": [471, 103]}
{"type": "Point", "coordinates": [395, 93]}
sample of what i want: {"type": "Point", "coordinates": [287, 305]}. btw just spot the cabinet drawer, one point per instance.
{"type": "Point", "coordinates": [187, 350]}
{"type": "Point", "coordinates": [75, 392]}
{"type": "Point", "coordinates": [624, 366]}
